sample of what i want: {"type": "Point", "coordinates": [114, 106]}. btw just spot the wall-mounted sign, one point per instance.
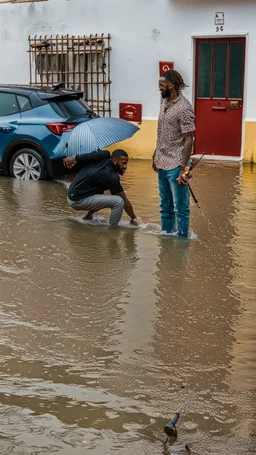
{"type": "Point", "coordinates": [131, 112]}
{"type": "Point", "coordinates": [165, 66]}
{"type": "Point", "coordinates": [219, 18]}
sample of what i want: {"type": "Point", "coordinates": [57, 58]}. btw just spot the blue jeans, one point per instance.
{"type": "Point", "coordinates": [174, 202]}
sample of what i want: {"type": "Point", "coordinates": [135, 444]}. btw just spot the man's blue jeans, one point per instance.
{"type": "Point", "coordinates": [174, 202]}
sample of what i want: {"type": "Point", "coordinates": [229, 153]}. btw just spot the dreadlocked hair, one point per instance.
{"type": "Point", "coordinates": [176, 78]}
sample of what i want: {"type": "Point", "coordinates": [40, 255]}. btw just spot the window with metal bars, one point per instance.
{"type": "Point", "coordinates": [77, 62]}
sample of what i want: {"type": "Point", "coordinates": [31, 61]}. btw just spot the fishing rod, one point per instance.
{"type": "Point", "coordinates": [187, 171]}
{"type": "Point", "coordinates": [193, 196]}
{"type": "Point", "coordinates": [170, 428]}
{"type": "Point", "coordinates": [198, 161]}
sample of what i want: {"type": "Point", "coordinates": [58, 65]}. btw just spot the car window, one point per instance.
{"type": "Point", "coordinates": [24, 103]}
{"type": "Point", "coordinates": [70, 108]}
{"type": "Point", "coordinates": [8, 104]}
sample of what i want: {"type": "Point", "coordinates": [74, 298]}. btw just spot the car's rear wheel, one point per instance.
{"type": "Point", "coordinates": [27, 164]}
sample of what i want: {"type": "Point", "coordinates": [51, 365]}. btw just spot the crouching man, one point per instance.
{"type": "Point", "coordinates": [100, 173]}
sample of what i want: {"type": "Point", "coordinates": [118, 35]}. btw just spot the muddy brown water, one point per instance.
{"type": "Point", "coordinates": [104, 333]}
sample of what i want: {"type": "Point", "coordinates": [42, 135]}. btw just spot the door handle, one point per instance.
{"type": "Point", "coordinates": [6, 129]}
{"type": "Point", "coordinates": [218, 108]}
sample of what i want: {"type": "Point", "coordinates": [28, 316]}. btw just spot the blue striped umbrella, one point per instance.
{"type": "Point", "coordinates": [95, 134]}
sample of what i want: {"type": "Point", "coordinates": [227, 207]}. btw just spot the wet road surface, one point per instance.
{"type": "Point", "coordinates": [104, 333]}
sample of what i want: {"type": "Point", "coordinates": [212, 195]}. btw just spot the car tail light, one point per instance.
{"type": "Point", "coordinates": [59, 128]}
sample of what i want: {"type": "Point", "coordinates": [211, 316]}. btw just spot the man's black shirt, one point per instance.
{"type": "Point", "coordinates": [95, 178]}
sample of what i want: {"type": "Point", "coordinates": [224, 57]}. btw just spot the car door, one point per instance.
{"type": "Point", "coordinates": [9, 120]}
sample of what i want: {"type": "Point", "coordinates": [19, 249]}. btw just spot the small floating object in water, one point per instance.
{"type": "Point", "coordinates": [187, 448]}
{"type": "Point", "coordinates": [170, 429]}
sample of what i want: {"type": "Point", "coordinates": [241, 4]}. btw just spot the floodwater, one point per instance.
{"type": "Point", "coordinates": [106, 333]}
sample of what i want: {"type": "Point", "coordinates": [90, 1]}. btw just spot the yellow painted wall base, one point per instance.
{"type": "Point", "coordinates": [250, 142]}
{"type": "Point", "coordinates": [142, 144]}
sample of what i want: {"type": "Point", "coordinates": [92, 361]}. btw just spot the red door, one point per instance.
{"type": "Point", "coordinates": [219, 96]}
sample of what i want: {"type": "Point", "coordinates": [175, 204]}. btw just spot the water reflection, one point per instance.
{"type": "Point", "coordinates": [104, 333]}
{"type": "Point", "coordinates": [243, 281]}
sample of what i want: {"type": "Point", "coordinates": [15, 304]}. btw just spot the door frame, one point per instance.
{"type": "Point", "coordinates": [192, 83]}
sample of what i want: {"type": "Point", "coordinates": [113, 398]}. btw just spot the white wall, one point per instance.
{"type": "Point", "coordinates": [143, 33]}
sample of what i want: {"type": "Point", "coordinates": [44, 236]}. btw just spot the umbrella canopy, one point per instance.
{"type": "Point", "coordinates": [94, 134]}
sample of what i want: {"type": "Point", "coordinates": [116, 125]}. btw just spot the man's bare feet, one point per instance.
{"type": "Point", "coordinates": [88, 216]}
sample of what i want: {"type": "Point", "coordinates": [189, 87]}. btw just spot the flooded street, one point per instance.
{"type": "Point", "coordinates": [106, 332]}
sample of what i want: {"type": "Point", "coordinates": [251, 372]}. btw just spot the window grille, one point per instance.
{"type": "Point", "coordinates": [78, 62]}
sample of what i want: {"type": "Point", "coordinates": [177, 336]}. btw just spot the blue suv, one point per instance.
{"type": "Point", "coordinates": [32, 121]}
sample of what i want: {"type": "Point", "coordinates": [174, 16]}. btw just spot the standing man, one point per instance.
{"type": "Point", "coordinates": [100, 173]}
{"type": "Point", "coordinates": [173, 150]}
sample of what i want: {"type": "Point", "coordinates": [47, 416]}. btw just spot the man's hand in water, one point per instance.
{"type": "Point", "coordinates": [70, 161]}
{"type": "Point", "coordinates": [134, 222]}
{"type": "Point", "coordinates": [128, 207]}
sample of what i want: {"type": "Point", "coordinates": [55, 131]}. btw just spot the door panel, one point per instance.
{"type": "Point", "coordinates": [236, 70]}
{"type": "Point", "coordinates": [220, 70]}
{"type": "Point", "coordinates": [219, 93]}
{"type": "Point", "coordinates": [9, 120]}
{"type": "Point", "coordinates": [204, 70]}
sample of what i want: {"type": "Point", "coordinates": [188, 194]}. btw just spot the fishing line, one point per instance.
{"type": "Point", "coordinates": [170, 429]}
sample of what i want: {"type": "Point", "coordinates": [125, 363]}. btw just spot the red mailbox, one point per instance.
{"type": "Point", "coordinates": [131, 112]}
{"type": "Point", "coordinates": [165, 66]}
